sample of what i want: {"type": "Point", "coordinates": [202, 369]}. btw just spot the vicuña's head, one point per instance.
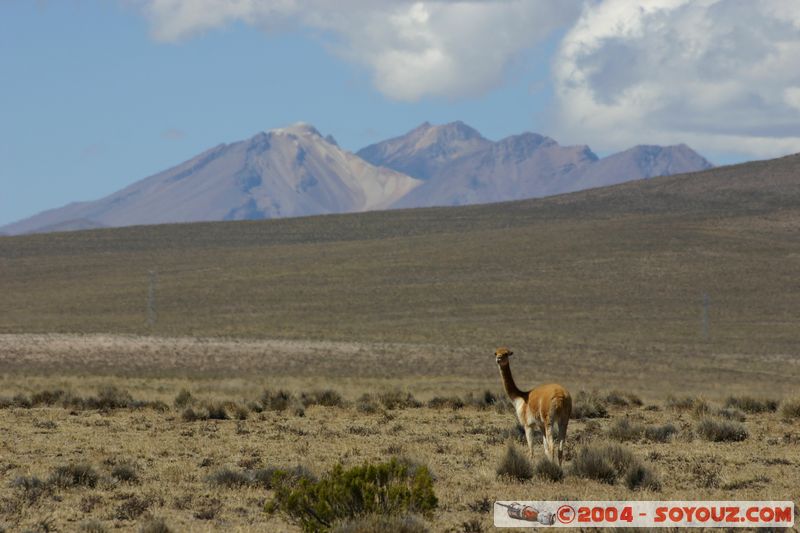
{"type": "Point", "coordinates": [502, 354]}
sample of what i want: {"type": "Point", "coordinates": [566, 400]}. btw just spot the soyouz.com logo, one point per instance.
{"type": "Point", "coordinates": [644, 514]}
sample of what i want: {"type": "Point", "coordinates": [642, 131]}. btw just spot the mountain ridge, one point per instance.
{"type": "Point", "coordinates": [296, 171]}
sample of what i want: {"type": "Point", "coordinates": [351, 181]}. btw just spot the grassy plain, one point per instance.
{"type": "Point", "coordinates": [598, 290]}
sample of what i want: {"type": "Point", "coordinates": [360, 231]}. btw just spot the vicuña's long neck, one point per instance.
{"type": "Point", "coordinates": [508, 382]}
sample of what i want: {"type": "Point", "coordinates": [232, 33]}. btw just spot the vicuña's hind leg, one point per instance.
{"type": "Point", "coordinates": [551, 449]}
{"type": "Point", "coordinates": [563, 422]}
{"type": "Point", "coordinates": [529, 438]}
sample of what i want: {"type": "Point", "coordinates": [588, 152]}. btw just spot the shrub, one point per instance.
{"type": "Point", "coordinates": [190, 415]}
{"type": "Point", "coordinates": [721, 430]}
{"type": "Point", "coordinates": [73, 476]}
{"type": "Point", "coordinates": [660, 433]}
{"type": "Point", "coordinates": [588, 405]}
{"type": "Point", "coordinates": [483, 401]}
{"type": "Point", "coordinates": [209, 509]}
{"type": "Point", "coordinates": [515, 465]}
{"type": "Point", "coordinates": [325, 398]}
{"type": "Point", "coordinates": [398, 400]}
{"type": "Point", "coordinates": [155, 525]}
{"type": "Point", "coordinates": [32, 488]}
{"type": "Point", "coordinates": [216, 411]}
{"type": "Point", "coordinates": [125, 472]}
{"type": "Point", "coordinates": [679, 404]}
{"type": "Point", "coordinates": [132, 508]}
{"type": "Point", "coordinates": [752, 405]}
{"type": "Point", "coordinates": [791, 409]}
{"type": "Point", "coordinates": [603, 463]}
{"type": "Point", "coordinates": [374, 523]}
{"type": "Point", "coordinates": [640, 477]}
{"type": "Point", "coordinates": [391, 488]}
{"type": "Point", "coordinates": [439, 402]}
{"type": "Point", "coordinates": [47, 397]}
{"type": "Point", "coordinates": [547, 470]}
{"type": "Point", "coordinates": [110, 397]}
{"type": "Point", "coordinates": [623, 431]}
{"type": "Point", "coordinates": [277, 401]}
{"type": "Point", "coordinates": [183, 399]}
{"type": "Point", "coordinates": [228, 478]}
{"type": "Point", "coordinates": [367, 404]}
{"type": "Point", "coordinates": [623, 399]}
{"type": "Point", "coordinates": [731, 413]}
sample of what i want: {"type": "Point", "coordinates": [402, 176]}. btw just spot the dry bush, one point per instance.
{"type": "Point", "coordinates": [639, 476]}
{"type": "Point", "coordinates": [228, 478]}
{"type": "Point", "coordinates": [487, 400]}
{"type": "Point", "coordinates": [589, 405]}
{"type": "Point", "coordinates": [398, 400]}
{"type": "Point", "coordinates": [325, 398]}
{"type": "Point", "coordinates": [515, 465]}
{"type": "Point", "coordinates": [183, 399]}
{"type": "Point", "coordinates": [706, 472]}
{"type": "Point", "coordinates": [721, 430]}
{"type": "Point", "coordinates": [280, 400]}
{"type": "Point", "coordinates": [680, 404]}
{"type": "Point", "coordinates": [791, 409]}
{"type": "Point", "coordinates": [155, 525]}
{"type": "Point", "coordinates": [125, 472]}
{"type": "Point", "coordinates": [623, 399]}
{"type": "Point", "coordinates": [660, 433]}
{"type": "Point", "coordinates": [133, 507]}
{"type": "Point", "coordinates": [610, 462]}
{"type": "Point", "coordinates": [452, 402]}
{"type": "Point", "coordinates": [547, 470]}
{"type": "Point", "coordinates": [623, 430]}
{"type": "Point", "coordinates": [366, 403]}
{"type": "Point", "coordinates": [74, 475]}
{"type": "Point", "coordinates": [30, 488]}
{"type": "Point", "coordinates": [749, 404]}
{"type": "Point", "coordinates": [209, 509]}
{"type": "Point", "coordinates": [731, 413]}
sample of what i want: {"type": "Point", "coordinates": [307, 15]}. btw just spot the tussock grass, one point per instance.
{"type": "Point", "coordinates": [547, 470]}
{"type": "Point", "coordinates": [229, 478]}
{"type": "Point", "coordinates": [155, 525]}
{"type": "Point", "coordinates": [623, 430]}
{"type": "Point", "coordinates": [73, 475]}
{"type": "Point", "coordinates": [589, 405]}
{"type": "Point", "coordinates": [791, 409]}
{"type": "Point", "coordinates": [611, 462]}
{"type": "Point", "coordinates": [731, 413]}
{"type": "Point", "coordinates": [515, 465]}
{"type": "Point", "coordinates": [453, 402]}
{"type": "Point", "coordinates": [325, 398]}
{"type": "Point", "coordinates": [721, 430]}
{"type": "Point", "coordinates": [748, 404]}
{"type": "Point", "coordinates": [661, 433]}
{"type": "Point", "coordinates": [125, 472]}
{"type": "Point", "coordinates": [623, 399]}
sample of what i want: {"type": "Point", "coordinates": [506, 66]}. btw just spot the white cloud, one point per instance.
{"type": "Point", "coordinates": [720, 75]}
{"type": "Point", "coordinates": [413, 49]}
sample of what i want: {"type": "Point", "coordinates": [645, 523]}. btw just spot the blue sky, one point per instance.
{"type": "Point", "coordinates": [98, 94]}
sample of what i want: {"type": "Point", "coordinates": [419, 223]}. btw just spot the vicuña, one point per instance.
{"type": "Point", "coordinates": [546, 406]}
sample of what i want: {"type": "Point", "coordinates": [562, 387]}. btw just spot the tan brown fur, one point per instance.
{"type": "Point", "coordinates": [545, 407]}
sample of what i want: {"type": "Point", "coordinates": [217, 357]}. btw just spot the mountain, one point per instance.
{"type": "Point", "coordinates": [295, 171]}
{"type": "Point", "coordinates": [459, 166]}
{"type": "Point", "coordinates": [285, 172]}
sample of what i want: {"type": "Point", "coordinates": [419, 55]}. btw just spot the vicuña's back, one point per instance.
{"type": "Point", "coordinates": [546, 407]}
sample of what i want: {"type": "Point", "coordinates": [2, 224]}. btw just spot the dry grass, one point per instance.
{"type": "Point", "coordinates": [129, 468]}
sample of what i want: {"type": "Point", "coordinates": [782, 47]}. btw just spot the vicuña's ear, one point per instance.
{"type": "Point", "coordinates": [510, 353]}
